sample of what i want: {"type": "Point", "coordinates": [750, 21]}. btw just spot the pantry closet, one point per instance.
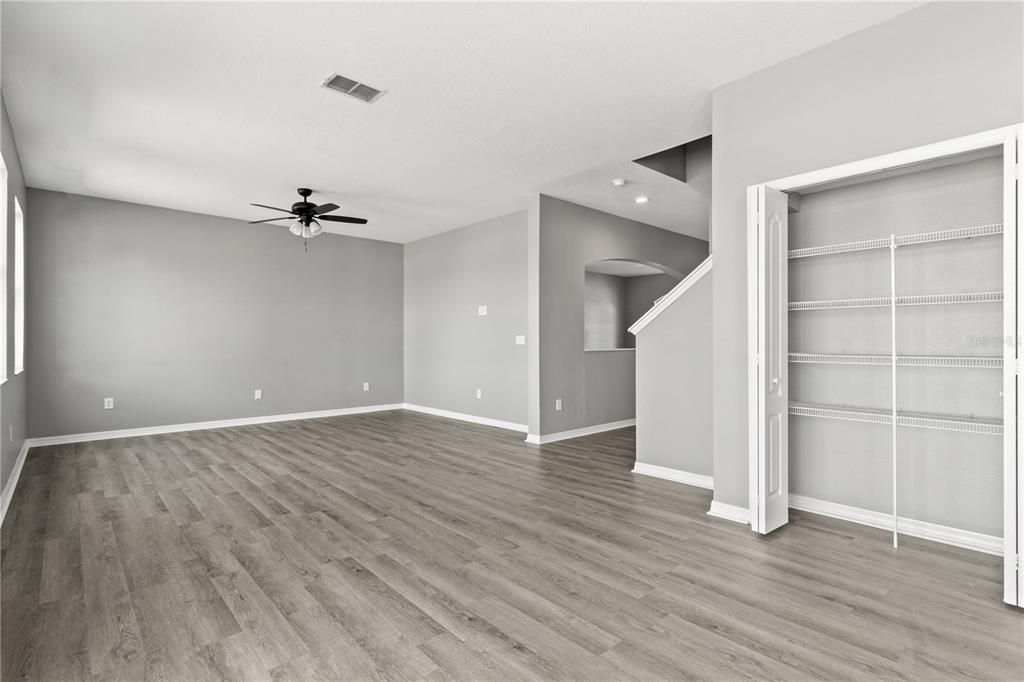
{"type": "Point", "coordinates": [884, 345]}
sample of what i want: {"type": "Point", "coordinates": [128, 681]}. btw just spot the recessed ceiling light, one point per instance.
{"type": "Point", "coordinates": [619, 182]}
{"type": "Point", "coordinates": [641, 199]}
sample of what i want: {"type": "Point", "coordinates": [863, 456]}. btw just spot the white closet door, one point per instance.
{"type": "Point", "coordinates": [770, 504]}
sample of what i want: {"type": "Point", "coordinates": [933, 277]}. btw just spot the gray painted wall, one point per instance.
{"type": "Point", "coordinates": [673, 382]}
{"type": "Point", "coordinates": [569, 236]}
{"type": "Point", "coordinates": [450, 350]}
{"type": "Point", "coordinates": [179, 316]}
{"type": "Point", "coordinates": [604, 311]}
{"type": "Point", "coordinates": [946, 478]}
{"type": "Point", "coordinates": [641, 295]}
{"type": "Point", "coordinates": [915, 79]}
{"type": "Point", "coordinates": [12, 393]}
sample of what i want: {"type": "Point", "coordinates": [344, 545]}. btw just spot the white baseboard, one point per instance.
{"type": "Point", "coordinates": [979, 542]}
{"type": "Point", "coordinates": [12, 481]}
{"type": "Point", "coordinates": [200, 426]}
{"type": "Point", "coordinates": [578, 433]}
{"type": "Point", "coordinates": [729, 512]}
{"type": "Point", "coordinates": [461, 416]}
{"type": "Point", "coordinates": [676, 475]}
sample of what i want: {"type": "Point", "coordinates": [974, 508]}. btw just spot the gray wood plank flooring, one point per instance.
{"type": "Point", "coordinates": [402, 546]}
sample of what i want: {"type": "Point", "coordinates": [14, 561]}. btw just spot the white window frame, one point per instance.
{"type": "Point", "coordinates": [19, 288]}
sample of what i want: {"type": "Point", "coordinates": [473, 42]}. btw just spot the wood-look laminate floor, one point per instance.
{"type": "Point", "coordinates": [401, 546]}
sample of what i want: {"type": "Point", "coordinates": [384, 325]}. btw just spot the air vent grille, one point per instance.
{"type": "Point", "coordinates": [352, 88]}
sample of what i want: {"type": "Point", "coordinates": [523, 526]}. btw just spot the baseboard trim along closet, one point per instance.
{"type": "Point", "coordinates": [729, 512]}
{"type": "Point", "coordinates": [979, 542]}
{"type": "Point", "coordinates": [472, 418]}
{"type": "Point", "coordinates": [201, 426]}
{"type": "Point", "coordinates": [12, 481]}
{"type": "Point", "coordinates": [699, 480]}
{"type": "Point", "coordinates": [536, 439]}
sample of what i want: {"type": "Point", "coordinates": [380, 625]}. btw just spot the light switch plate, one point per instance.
{"type": "Point", "coordinates": [481, 310]}
{"type": "Point", "coordinates": [558, 404]}
{"type": "Point", "coordinates": [257, 394]}
{"type": "Point", "coordinates": [520, 340]}
{"type": "Point", "coordinates": [366, 385]}
{"type": "Point", "coordinates": [108, 403]}
{"type": "Point", "coordinates": [479, 393]}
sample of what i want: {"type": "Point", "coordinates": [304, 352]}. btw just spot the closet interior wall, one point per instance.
{"type": "Point", "coordinates": [945, 477]}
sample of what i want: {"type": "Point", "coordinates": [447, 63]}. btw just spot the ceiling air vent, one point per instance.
{"type": "Point", "coordinates": [352, 88]}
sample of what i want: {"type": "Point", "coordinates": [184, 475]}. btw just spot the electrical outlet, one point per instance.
{"type": "Point", "coordinates": [257, 394]}
{"type": "Point", "coordinates": [558, 404]}
{"type": "Point", "coordinates": [366, 385]}
{"type": "Point", "coordinates": [108, 403]}
{"type": "Point", "coordinates": [479, 393]}
{"type": "Point", "coordinates": [520, 340]}
{"type": "Point", "coordinates": [481, 310]}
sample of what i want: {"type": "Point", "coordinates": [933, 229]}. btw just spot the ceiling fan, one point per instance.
{"type": "Point", "coordinates": [307, 215]}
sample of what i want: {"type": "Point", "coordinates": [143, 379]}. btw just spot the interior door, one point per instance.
{"type": "Point", "coordinates": [770, 383]}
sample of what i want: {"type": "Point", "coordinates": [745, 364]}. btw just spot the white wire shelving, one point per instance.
{"type": "Point", "coordinates": [966, 361]}
{"type": "Point", "coordinates": [945, 422]}
{"type": "Point", "coordinates": [886, 301]}
{"type": "Point", "coordinates": [904, 240]}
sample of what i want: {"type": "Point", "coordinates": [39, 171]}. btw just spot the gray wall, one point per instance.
{"type": "Point", "coordinates": [12, 393]}
{"type": "Point", "coordinates": [673, 382]}
{"type": "Point", "coordinates": [641, 295]}
{"type": "Point", "coordinates": [179, 316]}
{"type": "Point", "coordinates": [450, 350]}
{"type": "Point", "coordinates": [936, 72]}
{"type": "Point", "coordinates": [951, 479]}
{"type": "Point", "coordinates": [568, 237]}
{"type": "Point", "coordinates": [604, 311]}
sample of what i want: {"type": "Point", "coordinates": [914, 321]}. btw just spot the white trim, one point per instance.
{"type": "Point", "coordinates": [200, 426]}
{"type": "Point", "coordinates": [678, 290]}
{"type": "Point", "coordinates": [979, 542]}
{"type": "Point", "coordinates": [461, 416]}
{"type": "Point", "coordinates": [677, 475]}
{"type": "Point", "coordinates": [729, 512]}
{"type": "Point", "coordinates": [536, 439]}
{"type": "Point", "coordinates": [12, 481]}
{"type": "Point", "coordinates": [904, 157]}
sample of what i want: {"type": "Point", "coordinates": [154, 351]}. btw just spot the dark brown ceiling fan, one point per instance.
{"type": "Point", "coordinates": [307, 215]}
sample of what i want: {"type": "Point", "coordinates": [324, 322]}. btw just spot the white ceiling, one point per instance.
{"type": "Point", "coordinates": [209, 106]}
{"type": "Point", "coordinates": [672, 205]}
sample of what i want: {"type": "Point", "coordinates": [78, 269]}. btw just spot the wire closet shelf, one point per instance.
{"type": "Point", "coordinates": [965, 424]}
{"type": "Point", "coordinates": [893, 417]}
{"type": "Point", "coordinates": [988, 230]}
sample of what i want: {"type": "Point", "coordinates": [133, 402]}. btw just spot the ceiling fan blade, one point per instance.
{"type": "Point", "coordinates": [325, 208]}
{"type": "Point", "coordinates": [273, 208]}
{"type": "Point", "coordinates": [342, 219]}
{"type": "Point", "coordinates": [284, 217]}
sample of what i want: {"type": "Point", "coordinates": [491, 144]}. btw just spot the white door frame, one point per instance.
{"type": "Point", "coordinates": [1011, 139]}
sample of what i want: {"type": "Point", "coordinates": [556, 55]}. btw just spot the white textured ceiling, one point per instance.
{"type": "Point", "coordinates": [209, 106]}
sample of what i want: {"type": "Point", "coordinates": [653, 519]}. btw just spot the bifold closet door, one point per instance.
{"type": "Point", "coordinates": [769, 312]}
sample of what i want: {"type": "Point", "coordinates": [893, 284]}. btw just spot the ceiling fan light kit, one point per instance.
{"type": "Point", "coordinates": [307, 216]}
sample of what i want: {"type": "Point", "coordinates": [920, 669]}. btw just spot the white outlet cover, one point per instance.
{"type": "Point", "coordinates": [108, 403]}
{"type": "Point", "coordinates": [520, 340]}
{"type": "Point", "coordinates": [366, 385]}
{"type": "Point", "coordinates": [481, 310]}
{"type": "Point", "coordinates": [257, 394]}
{"type": "Point", "coordinates": [479, 393]}
{"type": "Point", "coordinates": [558, 404]}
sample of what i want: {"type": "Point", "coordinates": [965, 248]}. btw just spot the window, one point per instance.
{"type": "Point", "coordinates": [19, 288]}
